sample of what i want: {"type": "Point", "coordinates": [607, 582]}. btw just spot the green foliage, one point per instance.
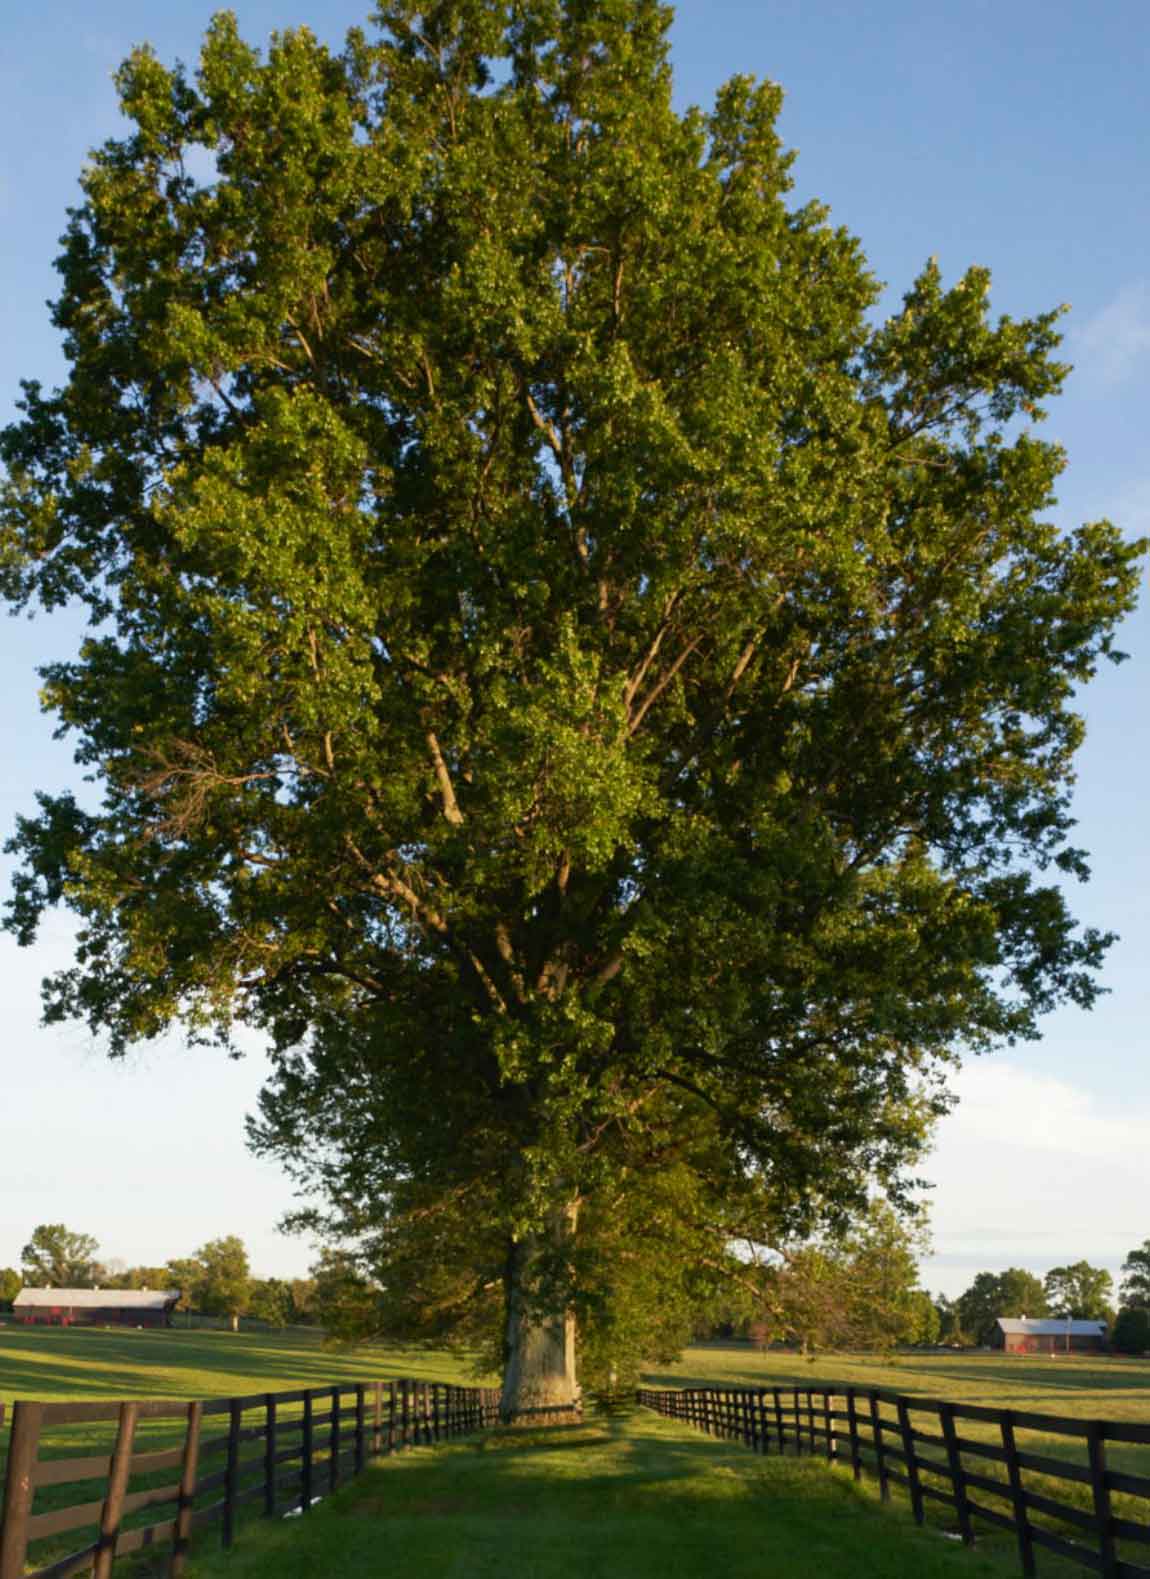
{"type": "Point", "coordinates": [992, 1294]}
{"type": "Point", "coordinates": [343, 1300]}
{"type": "Point", "coordinates": [855, 1290]}
{"type": "Point", "coordinates": [583, 692]}
{"type": "Point", "coordinates": [1080, 1291]}
{"type": "Point", "coordinates": [184, 1274]}
{"type": "Point", "coordinates": [225, 1277]}
{"type": "Point", "coordinates": [950, 1329]}
{"type": "Point", "coordinates": [55, 1257]}
{"type": "Point", "coordinates": [924, 1320]}
{"type": "Point", "coordinates": [216, 1281]}
{"type": "Point", "coordinates": [1131, 1334]}
{"type": "Point", "coordinates": [10, 1285]}
{"type": "Point", "coordinates": [270, 1300]}
{"type": "Point", "coordinates": [1135, 1289]}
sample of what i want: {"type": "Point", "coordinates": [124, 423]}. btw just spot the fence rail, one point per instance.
{"type": "Point", "coordinates": [883, 1433]}
{"type": "Point", "coordinates": [309, 1442]}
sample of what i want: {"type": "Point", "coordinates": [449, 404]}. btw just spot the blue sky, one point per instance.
{"type": "Point", "coordinates": [1014, 135]}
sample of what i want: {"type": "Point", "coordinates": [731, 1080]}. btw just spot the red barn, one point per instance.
{"type": "Point", "coordinates": [95, 1307]}
{"type": "Point", "coordinates": [1051, 1335]}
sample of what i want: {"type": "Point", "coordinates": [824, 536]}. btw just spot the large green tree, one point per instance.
{"type": "Point", "coordinates": [1014, 1292]}
{"type": "Point", "coordinates": [1080, 1291]}
{"type": "Point", "coordinates": [593, 697]}
{"type": "Point", "coordinates": [224, 1285]}
{"type": "Point", "coordinates": [57, 1257]}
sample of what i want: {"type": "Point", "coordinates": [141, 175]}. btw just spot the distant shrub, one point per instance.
{"type": "Point", "coordinates": [1132, 1331]}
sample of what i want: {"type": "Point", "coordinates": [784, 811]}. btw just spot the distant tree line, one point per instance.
{"type": "Point", "coordinates": [1078, 1292]}
{"type": "Point", "coordinates": [861, 1290]}
{"type": "Point", "coordinates": [858, 1289]}
{"type": "Point", "coordinates": [216, 1280]}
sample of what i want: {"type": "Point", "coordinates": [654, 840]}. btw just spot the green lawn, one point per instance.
{"type": "Point", "coordinates": [629, 1498]}
{"type": "Point", "coordinates": [77, 1363]}
{"type": "Point", "coordinates": [1101, 1386]}
{"type": "Point", "coordinates": [92, 1362]}
{"type": "Point", "coordinates": [613, 1498]}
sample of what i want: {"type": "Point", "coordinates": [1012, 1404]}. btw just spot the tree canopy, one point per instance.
{"type": "Point", "coordinates": [1080, 1291]}
{"type": "Point", "coordinates": [216, 1279]}
{"type": "Point", "coordinates": [600, 704]}
{"type": "Point", "coordinates": [57, 1257]}
{"type": "Point", "coordinates": [1014, 1292]}
{"type": "Point", "coordinates": [1135, 1286]}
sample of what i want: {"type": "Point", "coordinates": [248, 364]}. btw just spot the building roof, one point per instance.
{"type": "Point", "coordinates": [95, 1298]}
{"type": "Point", "coordinates": [1052, 1326]}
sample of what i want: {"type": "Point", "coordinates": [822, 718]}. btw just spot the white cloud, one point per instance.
{"type": "Point", "coordinates": [1109, 347]}
{"type": "Point", "coordinates": [1030, 1170]}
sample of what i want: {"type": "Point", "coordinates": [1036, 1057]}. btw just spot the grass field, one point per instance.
{"type": "Point", "coordinates": [1088, 1386]}
{"type": "Point", "coordinates": [618, 1497]}
{"type": "Point", "coordinates": [625, 1498]}
{"type": "Point", "coordinates": [92, 1362]}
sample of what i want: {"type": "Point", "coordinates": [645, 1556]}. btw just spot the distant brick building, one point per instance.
{"type": "Point", "coordinates": [95, 1307]}
{"type": "Point", "coordinates": [1017, 1335]}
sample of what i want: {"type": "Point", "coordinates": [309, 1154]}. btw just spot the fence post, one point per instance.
{"type": "Point", "coordinates": [231, 1471]}
{"type": "Point", "coordinates": [1021, 1512]}
{"type": "Point", "coordinates": [306, 1466]}
{"type": "Point", "coordinates": [798, 1427]}
{"type": "Point", "coordinates": [879, 1447]}
{"type": "Point", "coordinates": [762, 1422]}
{"type": "Point", "coordinates": [828, 1426]}
{"type": "Point", "coordinates": [957, 1477]}
{"type": "Point", "coordinates": [19, 1487]}
{"type": "Point", "coordinates": [782, 1436]}
{"type": "Point", "coordinates": [377, 1419]}
{"type": "Point", "coordinates": [1095, 1442]}
{"type": "Point", "coordinates": [269, 1455]}
{"type": "Point", "coordinates": [392, 1402]}
{"type": "Point", "coordinates": [405, 1387]}
{"type": "Point", "coordinates": [360, 1428]}
{"type": "Point", "coordinates": [119, 1471]}
{"type": "Point", "coordinates": [853, 1428]}
{"type": "Point", "coordinates": [911, 1461]}
{"type": "Point", "coordinates": [187, 1496]}
{"type": "Point", "coordinates": [333, 1442]}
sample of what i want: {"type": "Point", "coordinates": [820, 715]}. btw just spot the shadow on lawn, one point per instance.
{"type": "Point", "coordinates": [992, 1379]}
{"type": "Point", "coordinates": [92, 1363]}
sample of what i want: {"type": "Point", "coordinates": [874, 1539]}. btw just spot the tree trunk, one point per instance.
{"type": "Point", "coordinates": [539, 1385]}
{"type": "Point", "coordinates": [235, 1321]}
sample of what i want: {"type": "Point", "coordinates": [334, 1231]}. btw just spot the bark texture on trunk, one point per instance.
{"type": "Point", "coordinates": [539, 1383]}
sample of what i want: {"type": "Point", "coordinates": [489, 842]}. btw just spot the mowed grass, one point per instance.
{"type": "Point", "coordinates": [92, 1362]}
{"type": "Point", "coordinates": [1086, 1387]}
{"type": "Point", "coordinates": [1104, 1387]}
{"type": "Point", "coordinates": [87, 1363]}
{"type": "Point", "coordinates": [624, 1497]}
{"type": "Point", "coordinates": [630, 1497]}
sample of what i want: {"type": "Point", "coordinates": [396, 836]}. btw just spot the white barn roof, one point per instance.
{"type": "Point", "coordinates": [1051, 1326]}
{"type": "Point", "coordinates": [95, 1298]}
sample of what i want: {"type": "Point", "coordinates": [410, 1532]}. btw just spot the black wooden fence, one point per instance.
{"type": "Point", "coordinates": [309, 1442]}
{"type": "Point", "coordinates": [923, 1444]}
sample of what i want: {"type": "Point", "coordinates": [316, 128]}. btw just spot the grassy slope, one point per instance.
{"type": "Point", "coordinates": [631, 1498]}
{"type": "Point", "coordinates": [663, 1469]}
{"type": "Point", "coordinates": [91, 1362]}
{"type": "Point", "coordinates": [1099, 1387]}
